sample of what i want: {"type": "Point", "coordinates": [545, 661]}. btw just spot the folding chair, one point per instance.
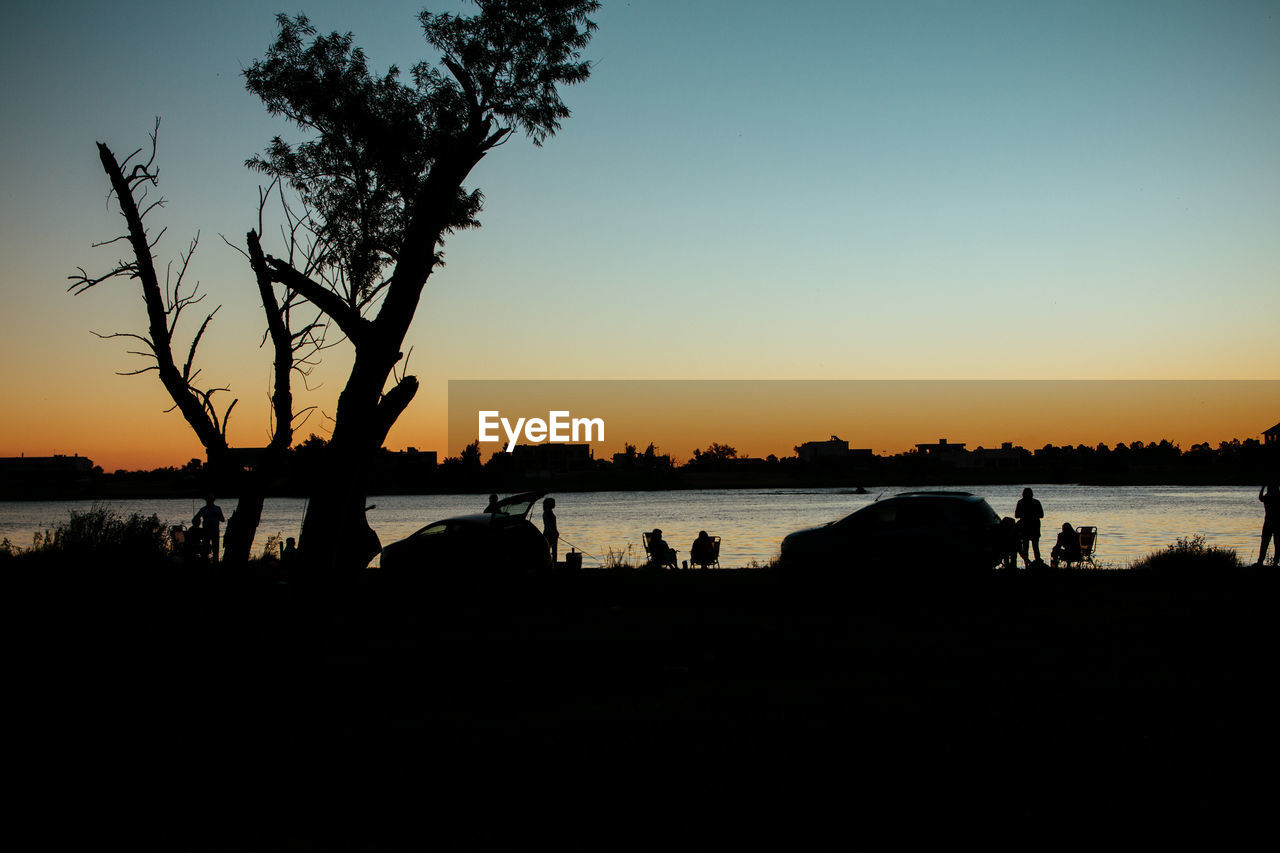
{"type": "Point", "coordinates": [710, 558]}
{"type": "Point", "coordinates": [1088, 545]}
{"type": "Point", "coordinates": [669, 560]}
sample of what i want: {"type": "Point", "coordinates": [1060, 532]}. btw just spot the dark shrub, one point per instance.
{"type": "Point", "coordinates": [103, 536]}
{"type": "Point", "coordinates": [1189, 556]}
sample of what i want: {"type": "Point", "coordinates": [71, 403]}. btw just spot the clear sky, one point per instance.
{"type": "Point", "coordinates": [799, 190]}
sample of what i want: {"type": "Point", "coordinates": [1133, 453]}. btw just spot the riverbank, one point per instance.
{"type": "Point", "coordinates": [626, 710]}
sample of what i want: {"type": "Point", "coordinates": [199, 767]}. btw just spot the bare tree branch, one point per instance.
{"type": "Point", "coordinates": [195, 342]}
{"type": "Point", "coordinates": [163, 306]}
{"type": "Point", "coordinates": [347, 319]}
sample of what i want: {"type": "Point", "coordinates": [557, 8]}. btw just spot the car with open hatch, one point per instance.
{"type": "Point", "coordinates": [500, 541]}
{"type": "Point", "coordinates": [933, 529]}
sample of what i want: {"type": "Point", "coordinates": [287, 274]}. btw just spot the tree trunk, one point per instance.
{"type": "Point", "coordinates": [242, 527]}
{"type": "Point", "coordinates": [250, 490]}
{"type": "Point", "coordinates": [337, 542]}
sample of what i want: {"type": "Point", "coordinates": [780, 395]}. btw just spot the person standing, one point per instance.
{"type": "Point", "coordinates": [1029, 512]}
{"type": "Point", "coordinates": [1270, 497]}
{"type": "Point", "coordinates": [209, 519]}
{"type": "Point", "coordinates": [549, 528]}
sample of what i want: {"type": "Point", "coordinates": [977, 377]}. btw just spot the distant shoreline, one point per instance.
{"type": "Point", "coordinates": [679, 481]}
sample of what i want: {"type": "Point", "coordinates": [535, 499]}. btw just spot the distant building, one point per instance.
{"type": "Point", "coordinates": [642, 461]}
{"type": "Point", "coordinates": [410, 457]}
{"type": "Point", "coordinates": [1006, 456]}
{"type": "Point", "coordinates": [406, 468]}
{"type": "Point", "coordinates": [943, 449]}
{"type": "Point", "coordinates": [543, 460]}
{"type": "Point", "coordinates": [1271, 436]}
{"type": "Point", "coordinates": [833, 448]}
{"type": "Point", "coordinates": [43, 473]}
{"type": "Point", "coordinates": [421, 457]}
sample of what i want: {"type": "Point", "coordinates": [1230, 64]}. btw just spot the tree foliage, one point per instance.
{"type": "Point", "coordinates": [377, 138]}
{"type": "Point", "coordinates": [716, 452]}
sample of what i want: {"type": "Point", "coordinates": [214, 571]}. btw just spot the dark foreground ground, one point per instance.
{"type": "Point", "coordinates": [627, 711]}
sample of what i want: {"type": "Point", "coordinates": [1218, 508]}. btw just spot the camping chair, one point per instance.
{"type": "Point", "coordinates": [654, 560]}
{"type": "Point", "coordinates": [1088, 544]}
{"type": "Point", "coordinates": [711, 558]}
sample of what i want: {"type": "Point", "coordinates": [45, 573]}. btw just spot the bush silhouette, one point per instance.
{"type": "Point", "coordinates": [1189, 556]}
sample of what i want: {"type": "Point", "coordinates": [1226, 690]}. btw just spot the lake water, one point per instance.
{"type": "Point", "coordinates": [1131, 520]}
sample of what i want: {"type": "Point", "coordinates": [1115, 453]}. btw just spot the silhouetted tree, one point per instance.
{"type": "Point", "coordinates": [717, 452]}
{"type": "Point", "coordinates": [628, 460]}
{"type": "Point", "coordinates": [313, 445]}
{"type": "Point", "coordinates": [383, 176]}
{"type": "Point", "coordinates": [165, 304]}
{"type": "Point", "coordinates": [470, 457]}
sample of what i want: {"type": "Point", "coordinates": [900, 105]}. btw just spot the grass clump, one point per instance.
{"type": "Point", "coordinates": [618, 560]}
{"type": "Point", "coordinates": [1189, 556]}
{"type": "Point", "coordinates": [103, 535]}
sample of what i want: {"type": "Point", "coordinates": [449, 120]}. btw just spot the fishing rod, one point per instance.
{"type": "Point", "coordinates": [576, 548]}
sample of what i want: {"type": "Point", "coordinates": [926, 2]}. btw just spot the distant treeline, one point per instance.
{"type": "Point", "coordinates": [1247, 462]}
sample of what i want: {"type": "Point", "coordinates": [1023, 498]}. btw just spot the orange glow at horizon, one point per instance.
{"type": "Point", "coordinates": [756, 417]}
{"type": "Point", "coordinates": [759, 418]}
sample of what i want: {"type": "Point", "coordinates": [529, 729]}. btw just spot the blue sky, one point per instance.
{"type": "Point", "coordinates": [745, 190]}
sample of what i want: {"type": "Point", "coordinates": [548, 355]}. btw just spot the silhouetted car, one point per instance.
{"type": "Point", "coordinates": [942, 530]}
{"type": "Point", "coordinates": [497, 543]}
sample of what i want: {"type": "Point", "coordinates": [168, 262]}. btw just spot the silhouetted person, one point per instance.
{"type": "Point", "coordinates": [493, 504]}
{"type": "Point", "coordinates": [209, 519]}
{"type": "Point", "coordinates": [192, 542]}
{"type": "Point", "coordinates": [702, 551]}
{"type": "Point", "coordinates": [1270, 497]}
{"type": "Point", "coordinates": [549, 528]}
{"type": "Point", "coordinates": [660, 552]}
{"type": "Point", "coordinates": [1009, 543]}
{"type": "Point", "coordinates": [1029, 512]}
{"type": "Point", "coordinates": [288, 561]}
{"type": "Point", "coordinates": [177, 540]}
{"type": "Point", "coordinates": [1067, 548]}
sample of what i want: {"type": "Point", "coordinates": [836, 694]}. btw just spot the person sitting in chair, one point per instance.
{"type": "Point", "coordinates": [1067, 549]}
{"type": "Point", "coordinates": [660, 552]}
{"type": "Point", "coordinates": [702, 551]}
